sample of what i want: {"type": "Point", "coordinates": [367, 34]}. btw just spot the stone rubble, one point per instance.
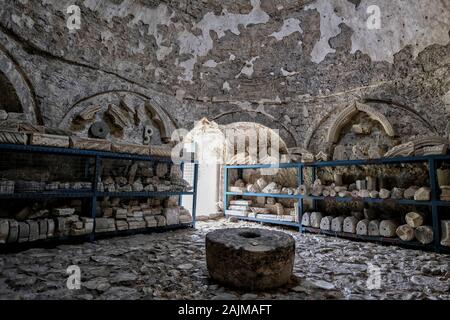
{"type": "Point", "coordinates": [172, 265]}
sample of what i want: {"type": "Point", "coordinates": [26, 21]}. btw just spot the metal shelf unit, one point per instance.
{"type": "Point", "coordinates": [434, 204]}
{"type": "Point", "coordinates": [93, 194]}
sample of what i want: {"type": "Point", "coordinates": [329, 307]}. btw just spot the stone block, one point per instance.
{"type": "Point", "coordinates": [325, 223]}
{"type": "Point", "coordinates": [3, 115]}
{"type": "Point", "coordinates": [61, 227]}
{"type": "Point", "coordinates": [388, 228]}
{"type": "Point", "coordinates": [11, 137]}
{"type": "Point", "coordinates": [337, 224]}
{"type": "Point", "coordinates": [43, 229]}
{"type": "Point", "coordinates": [162, 169]}
{"type": "Point", "coordinates": [49, 140]}
{"type": "Point", "coordinates": [161, 151]}
{"type": "Point", "coordinates": [24, 232]}
{"type": "Point", "coordinates": [374, 228]}
{"type": "Point", "coordinates": [172, 215]}
{"type": "Point", "coordinates": [161, 220]}
{"type": "Point", "coordinates": [306, 219]}
{"type": "Point", "coordinates": [315, 219]}
{"type": "Point", "coordinates": [50, 228]}
{"type": "Point", "coordinates": [90, 144]}
{"type": "Point", "coordinates": [131, 149]}
{"type": "Point", "coordinates": [185, 218]}
{"type": "Point", "coordinates": [63, 212]}
{"type": "Point", "coordinates": [349, 224]}
{"type": "Point", "coordinates": [122, 225]}
{"type": "Point", "coordinates": [13, 235]}
{"type": "Point", "coordinates": [422, 194]}
{"type": "Point", "coordinates": [4, 230]}
{"type": "Point", "coordinates": [362, 228]}
{"type": "Point", "coordinates": [6, 187]}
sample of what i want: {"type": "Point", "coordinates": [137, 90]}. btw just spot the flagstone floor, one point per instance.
{"type": "Point", "coordinates": [172, 266]}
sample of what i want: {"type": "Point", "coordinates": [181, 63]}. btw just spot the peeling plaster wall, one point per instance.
{"type": "Point", "coordinates": [289, 65]}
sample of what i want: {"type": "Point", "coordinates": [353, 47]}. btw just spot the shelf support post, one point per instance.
{"type": "Point", "coordinates": [434, 207]}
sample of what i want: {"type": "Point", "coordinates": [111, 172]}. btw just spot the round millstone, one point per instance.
{"type": "Point", "coordinates": [252, 259]}
{"type": "Point", "coordinates": [99, 130]}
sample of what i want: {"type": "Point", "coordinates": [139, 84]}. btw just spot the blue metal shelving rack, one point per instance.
{"type": "Point", "coordinates": [434, 204]}
{"type": "Point", "coordinates": [94, 194]}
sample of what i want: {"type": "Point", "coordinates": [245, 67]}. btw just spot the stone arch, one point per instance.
{"type": "Point", "coordinates": [288, 134]}
{"type": "Point", "coordinates": [18, 81]}
{"type": "Point", "coordinates": [164, 123]}
{"type": "Point", "coordinates": [349, 112]}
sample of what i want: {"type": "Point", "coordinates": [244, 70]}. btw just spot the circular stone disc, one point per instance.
{"type": "Point", "coordinates": [99, 130]}
{"type": "Point", "coordinates": [247, 258]}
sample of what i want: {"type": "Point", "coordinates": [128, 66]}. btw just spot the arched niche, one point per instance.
{"type": "Point", "coordinates": [346, 115]}
{"type": "Point", "coordinates": [126, 114]}
{"type": "Point", "coordinates": [287, 133]}
{"type": "Point", "coordinates": [16, 93]}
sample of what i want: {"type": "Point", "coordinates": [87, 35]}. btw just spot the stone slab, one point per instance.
{"type": "Point", "coordinates": [131, 148]}
{"type": "Point", "coordinates": [49, 140]}
{"type": "Point", "coordinates": [11, 137]}
{"type": "Point", "coordinates": [90, 144]}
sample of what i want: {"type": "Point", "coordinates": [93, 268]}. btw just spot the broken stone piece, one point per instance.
{"type": "Point", "coordinates": [374, 228]}
{"type": "Point", "coordinates": [384, 194]}
{"type": "Point", "coordinates": [349, 224]}
{"type": "Point", "coordinates": [337, 224]}
{"type": "Point", "coordinates": [414, 219]}
{"type": "Point", "coordinates": [11, 137]}
{"type": "Point", "coordinates": [315, 219]}
{"type": "Point", "coordinates": [4, 231]}
{"type": "Point", "coordinates": [13, 235]}
{"type": "Point", "coordinates": [325, 223]}
{"type": "Point", "coordinates": [445, 239]}
{"type": "Point", "coordinates": [410, 192]}
{"type": "Point", "coordinates": [388, 228]}
{"type": "Point", "coordinates": [131, 149]}
{"type": "Point", "coordinates": [272, 188]}
{"type": "Point", "coordinates": [49, 140]}
{"type": "Point", "coordinates": [424, 234]}
{"type": "Point", "coordinates": [397, 193]}
{"type": "Point", "coordinates": [362, 228]}
{"type": "Point", "coordinates": [90, 144]}
{"type": "Point", "coordinates": [306, 219]}
{"type": "Point", "coordinates": [422, 194]}
{"type": "Point", "coordinates": [405, 232]}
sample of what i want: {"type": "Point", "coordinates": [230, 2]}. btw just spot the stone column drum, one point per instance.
{"type": "Point", "coordinates": [252, 259]}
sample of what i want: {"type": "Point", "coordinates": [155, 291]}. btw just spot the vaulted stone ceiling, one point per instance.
{"type": "Point", "coordinates": [290, 63]}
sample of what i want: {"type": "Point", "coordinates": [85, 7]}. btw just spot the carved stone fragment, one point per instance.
{"type": "Point", "coordinates": [422, 194]}
{"type": "Point", "coordinates": [325, 223]}
{"type": "Point", "coordinates": [414, 219]}
{"type": "Point", "coordinates": [388, 228]}
{"type": "Point", "coordinates": [349, 224]}
{"type": "Point", "coordinates": [306, 219]}
{"type": "Point", "coordinates": [131, 149]}
{"type": "Point", "coordinates": [374, 228]}
{"type": "Point", "coordinates": [424, 234]}
{"type": "Point", "coordinates": [337, 224]}
{"type": "Point", "coordinates": [362, 228]}
{"type": "Point", "coordinates": [405, 232]}
{"type": "Point", "coordinates": [445, 239]}
{"type": "Point", "coordinates": [90, 144]}
{"type": "Point", "coordinates": [316, 218]}
{"type": "Point", "coordinates": [11, 137]}
{"type": "Point", "coordinates": [49, 140]}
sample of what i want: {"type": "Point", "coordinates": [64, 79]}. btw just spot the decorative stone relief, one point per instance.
{"type": "Point", "coordinates": [121, 117]}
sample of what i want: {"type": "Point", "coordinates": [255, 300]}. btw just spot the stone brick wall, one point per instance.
{"type": "Point", "coordinates": [290, 65]}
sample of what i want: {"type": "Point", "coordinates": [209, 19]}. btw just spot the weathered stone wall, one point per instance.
{"type": "Point", "coordinates": [289, 65]}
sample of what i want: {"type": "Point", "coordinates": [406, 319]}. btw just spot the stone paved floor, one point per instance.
{"type": "Point", "coordinates": [172, 266]}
